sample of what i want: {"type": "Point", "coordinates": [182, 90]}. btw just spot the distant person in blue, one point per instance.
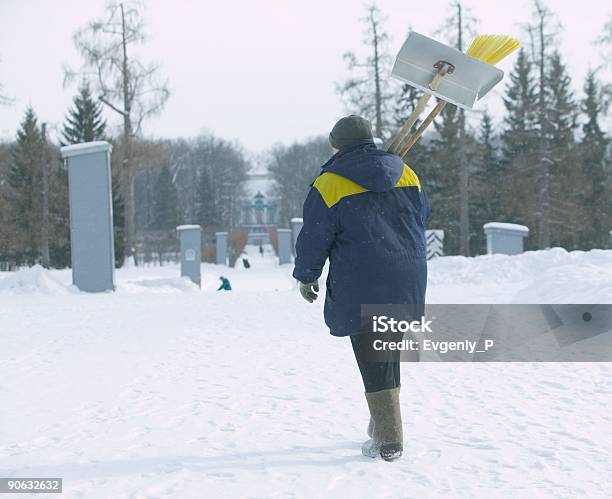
{"type": "Point", "coordinates": [225, 284]}
{"type": "Point", "coordinates": [366, 212]}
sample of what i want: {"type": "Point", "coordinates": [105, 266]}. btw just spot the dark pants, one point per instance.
{"type": "Point", "coordinates": [376, 375]}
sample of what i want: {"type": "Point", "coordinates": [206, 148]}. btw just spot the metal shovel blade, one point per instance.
{"type": "Point", "coordinates": [471, 80]}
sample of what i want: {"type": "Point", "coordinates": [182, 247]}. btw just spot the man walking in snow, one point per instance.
{"type": "Point", "coordinates": [366, 212]}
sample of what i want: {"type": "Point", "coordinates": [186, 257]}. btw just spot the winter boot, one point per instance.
{"type": "Point", "coordinates": [370, 427]}
{"type": "Point", "coordinates": [387, 437]}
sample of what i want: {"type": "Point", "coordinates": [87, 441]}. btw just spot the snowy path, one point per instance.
{"type": "Point", "coordinates": [162, 391]}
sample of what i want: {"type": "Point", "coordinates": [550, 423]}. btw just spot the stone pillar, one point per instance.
{"type": "Point", "coordinates": [505, 238]}
{"type": "Point", "coordinates": [296, 227]}
{"type": "Point", "coordinates": [221, 245]}
{"type": "Point", "coordinates": [190, 237]}
{"type": "Point", "coordinates": [91, 215]}
{"type": "Point", "coordinates": [284, 245]}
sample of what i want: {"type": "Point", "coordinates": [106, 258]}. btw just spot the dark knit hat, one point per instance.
{"type": "Point", "coordinates": [350, 130]}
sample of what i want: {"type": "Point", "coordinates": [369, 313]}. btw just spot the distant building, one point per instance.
{"type": "Point", "coordinates": [259, 208]}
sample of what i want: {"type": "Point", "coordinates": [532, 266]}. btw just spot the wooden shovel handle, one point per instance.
{"type": "Point", "coordinates": [418, 110]}
{"type": "Point", "coordinates": [417, 134]}
{"type": "Point", "coordinates": [443, 69]}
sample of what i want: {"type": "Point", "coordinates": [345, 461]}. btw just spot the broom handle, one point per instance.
{"type": "Point", "coordinates": [418, 110]}
{"type": "Point", "coordinates": [417, 134]}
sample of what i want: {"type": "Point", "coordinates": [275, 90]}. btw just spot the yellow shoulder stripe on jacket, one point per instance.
{"type": "Point", "coordinates": [408, 179]}
{"type": "Point", "coordinates": [333, 187]}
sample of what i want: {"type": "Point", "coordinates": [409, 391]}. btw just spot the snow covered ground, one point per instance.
{"type": "Point", "coordinates": [160, 390]}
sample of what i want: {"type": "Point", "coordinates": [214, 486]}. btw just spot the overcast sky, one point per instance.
{"type": "Point", "coordinates": [259, 72]}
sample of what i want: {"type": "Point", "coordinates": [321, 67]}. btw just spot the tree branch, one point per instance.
{"type": "Point", "coordinates": [114, 108]}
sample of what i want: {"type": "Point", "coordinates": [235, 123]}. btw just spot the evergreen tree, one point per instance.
{"type": "Point", "coordinates": [562, 110]}
{"type": "Point", "coordinates": [595, 195]}
{"type": "Point", "coordinates": [165, 206]}
{"type": "Point", "coordinates": [84, 122]}
{"type": "Point", "coordinates": [519, 145]}
{"type": "Point", "coordinates": [520, 119]}
{"type": "Point", "coordinates": [486, 184]}
{"type": "Point", "coordinates": [442, 177]}
{"type": "Point", "coordinates": [561, 123]}
{"type": "Point", "coordinates": [24, 178]}
{"type": "Point", "coordinates": [8, 234]}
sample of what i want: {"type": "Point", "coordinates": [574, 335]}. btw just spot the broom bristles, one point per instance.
{"type": "Point", "coordinates": [493, 48]}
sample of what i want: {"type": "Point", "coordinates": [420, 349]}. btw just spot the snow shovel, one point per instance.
{"type": "Point", "coordinates": [447, 73]}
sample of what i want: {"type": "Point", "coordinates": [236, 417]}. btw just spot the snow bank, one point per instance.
{"type": "Point", "coordinates": [35, 280]}
{"type": "Point", "coordinates": [162, 285]}
{"type": "Point", "coordinates": [551, 276]}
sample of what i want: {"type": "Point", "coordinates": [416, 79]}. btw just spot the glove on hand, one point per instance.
{"type": "Point", "coordinates": [309, 291]}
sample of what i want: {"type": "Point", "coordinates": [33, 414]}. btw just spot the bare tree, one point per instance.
{"type": "Point", "coordinates": [542, 37]}
{"type": "Point", "coordinates": [294, 168]}
{"type": "Point", "coordinates": [605, 41]}
{"type": "Point", "coordinates": [457, 27]}
{"type": "Point", "coordinates": [125, 84]}
{"type": "Point", "coordinates": [367, 93]}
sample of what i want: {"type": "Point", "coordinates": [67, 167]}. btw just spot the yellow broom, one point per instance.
{"type": "Point", "coordinates": [487, 48]}
{"type": "Point", "coordinates": [493, 48]}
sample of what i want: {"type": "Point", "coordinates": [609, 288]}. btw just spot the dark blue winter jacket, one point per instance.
{"type": "Point", "coordinates": [225, 284]}
{"type": "Point", "coordinates": [367, 213]}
